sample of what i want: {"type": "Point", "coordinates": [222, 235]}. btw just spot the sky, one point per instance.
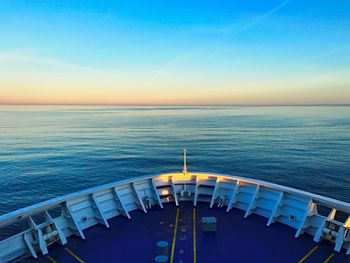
{"type": "Point", "coordinates": [243, 52]}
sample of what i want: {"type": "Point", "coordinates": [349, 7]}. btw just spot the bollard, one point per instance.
{"type": "Point", "coordinates": [161, 259]}
{"type": "Point", "coordinates": [162, 247]}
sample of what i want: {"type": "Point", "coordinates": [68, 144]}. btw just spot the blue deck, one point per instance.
{"type": "Point", "coordinates": [236, 239]}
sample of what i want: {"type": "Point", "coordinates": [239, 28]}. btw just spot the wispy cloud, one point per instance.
{"type": "Point", "coordinates": [175, 59]}
{"type": "Point", "coordinates": [12, 57]}
{"type": "Point", "coordinates": [253, 23]}
{"type": "Point", "coordinates": [212, 51]}
{"type": "Point", "coordinates": [246, 27]}
{"type": "Point", "coordinates": [329, 52]}
{"type": "Point", "coordinates": [315, 61]}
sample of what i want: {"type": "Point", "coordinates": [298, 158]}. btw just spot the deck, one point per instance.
{"type": "Point", "coordinates": [236, 239]}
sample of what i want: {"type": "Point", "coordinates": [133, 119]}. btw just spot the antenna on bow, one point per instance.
{"type": "Point", "coordinates": [184, 171]}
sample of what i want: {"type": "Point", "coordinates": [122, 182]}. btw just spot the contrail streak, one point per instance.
{"type": "Point", "coordinates": [256, 21]}
{"type": "Point", "coordinates": [225, 38]}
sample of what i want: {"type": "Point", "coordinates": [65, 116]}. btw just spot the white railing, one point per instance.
{"type": "Point", "coordinates": [298, 209]}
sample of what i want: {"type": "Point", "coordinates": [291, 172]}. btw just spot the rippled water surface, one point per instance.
{"type": "Point", "coordinates": [46, 151]}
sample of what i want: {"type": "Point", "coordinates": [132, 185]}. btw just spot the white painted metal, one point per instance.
{"type": "Point", "coordinates": [39, 236]}
{"type": "Point", "coordinates": [346, 236]}
{"type": "Point", "coordinates": [347, 239]}
{"type": "Point", "coordinates": [29, 240]}
{"type": "Point", "coordinates": [275, 210]}
{"type": "Point", "coordinates": [308, 212]}
{"type": "Point", "coordinates": [60, 233]}
{"type": "Point", "coordinates": [99, 211]}
{"type": "Point", "coordinates": [136, 193]}
{"type": "Point", "coordinates": [340, 239]}
{"type": "Point", "coordinates": [214, 193]}
{"type": "Point", "coordinates": [233, 197]}
{"type": "Point", "coordinates": [184, 171]}
{"type": "Point", "coordinates": [119, 201]}
{"type": "Point", "coordinates": [87, 208]}
{"type": "Point", "coordinates": [196, 192]}
{"type": "Point", "coordinates": [174, 191]}
{"type": "Point", "coordinates": [252, 202]}
{"type": "Point", "coordinates": [68, 213]}
{"type": "Point", "coordinates": [156, 193]}
{"type": "Point", "coordinates": [317, 236]}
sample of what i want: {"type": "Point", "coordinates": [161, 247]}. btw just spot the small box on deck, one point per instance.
{"type": "Point", "coordinates": [209, 224]}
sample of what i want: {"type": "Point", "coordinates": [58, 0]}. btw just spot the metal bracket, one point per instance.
{"type": "Point", "coordinates": [252, 202]}
{"type": "Point", "coordinates": [156, 192]}
{"type": "Point", "coordinates": [68, 213]}
{"type": "Point", "coordinates": [138, 197]}
{"type": "Point", "coordinates": [59, 231]}
{"type": "Point", "coordinates": [214, 193]}
{"type": "Point", "coordinates": [310, 208]}
{"type": "Point", "coordinates": [233, 197]}
{"type": "Point", "coordinates": [275, 210]}
{"type": "Point", "coordinates": [174, 191]}
{"type": "Point", "coordinates": [119, 201]}
{"type": "Point", "coordinates": [97, 207]}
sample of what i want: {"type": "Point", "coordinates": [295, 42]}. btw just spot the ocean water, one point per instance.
{"type": "Point", "coordinates": [47, 151]}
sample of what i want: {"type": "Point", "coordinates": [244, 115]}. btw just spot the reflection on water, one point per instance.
{"type": "Point", "coordinates": [47, 151]}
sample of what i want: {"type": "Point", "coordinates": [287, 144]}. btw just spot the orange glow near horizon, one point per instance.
{"type": "Point", "coordinates": [80, 96]}
{"type": "Point", "coordinates": [29, 85]}
{"type": "Point", "coordinates": [128, 53]}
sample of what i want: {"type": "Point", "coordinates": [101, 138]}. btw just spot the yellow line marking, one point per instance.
{"type": "Point", "coordinates": [174, 237]}
{"type": "Point", "coordinates": [308, 254]}
{"type": "Point", "coordinates": [51, 259]}
{"type": "Point", "coordinates": [194, 237]}
{"type": "Point", "coordinates": [329, 258]}
{"type": "Point", "coordinates": [75, 256]}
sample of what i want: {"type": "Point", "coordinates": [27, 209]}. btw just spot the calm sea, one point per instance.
{"type": "Point", "coordinates": [46, 151]}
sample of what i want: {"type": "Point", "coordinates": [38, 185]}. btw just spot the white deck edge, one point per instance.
{"type": "Point", "coordinates": [39, 207]}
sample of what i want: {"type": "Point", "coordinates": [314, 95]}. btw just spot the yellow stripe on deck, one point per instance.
{"type": "Point", "coordinates": [174, 237]}
{"type": "Point", "coordinates": [51, 259]}
{"type": "Point", "coordinates": [308, 254]}
{"type": "Point", "coordinates": [73, 255]}
{"type": "Point", "coordinates": [329, 258]}
{"type": "Point", "coordinates": [194, 237]}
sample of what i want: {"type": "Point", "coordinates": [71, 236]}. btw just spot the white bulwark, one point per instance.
{"type": "Point", "coordinates": [71, 214]}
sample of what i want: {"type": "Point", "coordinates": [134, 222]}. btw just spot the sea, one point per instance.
{"type": "Point", "coordinates": [48, 151]}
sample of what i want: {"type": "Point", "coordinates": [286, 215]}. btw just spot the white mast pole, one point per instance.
{"type": "Point", "coordinates": [184, 171]}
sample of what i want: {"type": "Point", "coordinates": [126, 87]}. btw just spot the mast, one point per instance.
{"type": "Point", "coordinates": [184, 171]}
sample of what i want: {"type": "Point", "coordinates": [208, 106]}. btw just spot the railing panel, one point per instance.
{"type": "Point", "coordinates": [89, 207]}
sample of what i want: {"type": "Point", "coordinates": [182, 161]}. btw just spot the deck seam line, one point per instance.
{"type": "Point", "coordinates": [51, 259]}
{"type": "Point", "coordinates": [308, 254]}
{"type": "Point", "coordinates": [174, 237]}
{"type": "Point", "coordinates": [329, 258]}
{"type": "Point", "coordinates": [74, 255]}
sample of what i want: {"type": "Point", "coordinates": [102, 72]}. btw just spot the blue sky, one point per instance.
{"type": "Point", "coordinates": [175, 52]}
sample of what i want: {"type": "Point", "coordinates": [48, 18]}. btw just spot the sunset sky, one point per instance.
{"type": "Point", "coordinates": [174, 52]}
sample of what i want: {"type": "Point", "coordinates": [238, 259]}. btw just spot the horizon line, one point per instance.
{"type": "Point", "coordinates": [172, 105]}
